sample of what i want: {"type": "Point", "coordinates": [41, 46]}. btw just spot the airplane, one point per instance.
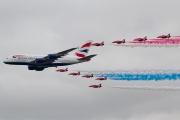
{"type": "Point", "coordinates": [140, 39]}
{"type": "Point", "coordinates": [74, 73]}
{"type": "Point", "coordinates": [105, 78]}
{"type": "Point", "coordinates": [88, 76]}
{"type": "Point", "coordinates": [40, 62]}
{"type": "Point", "coordinates": [98, 44]}
{"type": "Point", "coordinates": [96, 86]}
{"type": "Point", "coordinates": [62, 70]}
{"type": "Point", "coordinates": [119, 41]}
{"type": "Point", "coordinates": [164, 36]}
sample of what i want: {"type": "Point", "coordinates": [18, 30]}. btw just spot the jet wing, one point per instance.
{"type": "Point", "coordinates": [87, 57]}
{"type": "Point", "coordinates": [58, 55]}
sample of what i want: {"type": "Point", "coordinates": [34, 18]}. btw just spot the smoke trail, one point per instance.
{"type": "Point", "coordinates": [159, 42]}
{"type": "Point", "coordinates": [159, 88]}
{"type": "Point", "coordinates": [147, 45]}
{"type": "Point", "coordinates": [142, 77]}
{"type": "Point", "coordinates": [142, 71]}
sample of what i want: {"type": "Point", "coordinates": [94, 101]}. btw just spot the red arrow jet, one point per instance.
{"type": "Point", "coordinates": [140, 39]}
{"type": "Point", "coordinates": [96, 86]}
{"type": "Point", "coordinates": [105, 78]}
{"type": "Point", "coordinates": [74, 73]}
{"type": "Point", "coordinates": [62, 70]}
{"type": "Point", "coordinates": [119, 41]}
{"type": "Point", "coordinates": [164, 36]}
{"type": "Point", "coordinates": [88, 76]}
{"type": "Point", "coordinates": [98, 44]}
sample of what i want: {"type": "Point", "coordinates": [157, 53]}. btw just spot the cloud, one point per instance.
{"type": "Point", "coordinates": [42, 27]}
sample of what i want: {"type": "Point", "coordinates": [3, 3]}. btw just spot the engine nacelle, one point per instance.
{"type": "Point", "coordinates": [31, 68]}
{"type": "Point", "coordinates": [52, 56]}
{"type": "Point", "coordinates": [39, 69]}
{"type": "Point", "coordinates": [39, 60]}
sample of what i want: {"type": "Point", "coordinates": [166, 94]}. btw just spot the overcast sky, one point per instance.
{"type": "Point", "coordinates": [48, 26]}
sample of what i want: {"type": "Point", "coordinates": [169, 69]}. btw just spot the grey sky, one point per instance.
{"type": "Point", "coordinates": [42, 27]}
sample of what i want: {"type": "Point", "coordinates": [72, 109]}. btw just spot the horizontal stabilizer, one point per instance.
{"type": "Point", "coordinates": [87, 57]}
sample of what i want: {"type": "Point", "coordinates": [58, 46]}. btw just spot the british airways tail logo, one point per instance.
{"type": "Point", "coordinates": [85, 50]}
{"type": "Point", "coordinates": [86, 45]}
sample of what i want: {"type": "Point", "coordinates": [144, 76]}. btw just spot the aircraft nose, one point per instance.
{"type": "Point", "coordinates": [5, 61]}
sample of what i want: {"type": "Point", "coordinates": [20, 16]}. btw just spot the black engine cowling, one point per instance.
{"type": "Point", "coordinates": [39, 60]}
{"type": "Point", "coordinates": [36, 68]}
{"type": "Point", "coordinates": [31, 68]}
{"type": "Point", "coordinates": [52, 56]}
{"type": "Point", "coordinates": [39, 69]}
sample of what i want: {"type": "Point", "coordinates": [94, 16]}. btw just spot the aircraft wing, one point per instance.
{"type": "Point", "coordinates": [57, 55]}
{"type": "Point", "coordinates": [87, 57]}
{"type": "Point", "coordinates": [60, 54]}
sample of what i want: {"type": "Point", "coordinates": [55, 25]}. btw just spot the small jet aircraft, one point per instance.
{"type": "Point", "coordinates": [40, 62]}
{"type": "Point", "coordinates": [98, 44]}
{"type": "Point", "coordinates": [74, 73]}
{"type": "Point", "coordinates": [103, 78]}
{"type": "Point", "coordinates": [62, 70]}
{"type": "Point", "coordinates": [119, 41]}
{"type": "Point", "coordinates": [164, 36]}
{"type": "Point", "coordinates": [96, 86]}
{"type": "Point", "coordinates": [88, 76]}
{"type": "Point", "coordinates": [140, 39]}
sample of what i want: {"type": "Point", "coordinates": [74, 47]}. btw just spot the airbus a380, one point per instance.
{"type": "Point", "coordinates": [40, 62]}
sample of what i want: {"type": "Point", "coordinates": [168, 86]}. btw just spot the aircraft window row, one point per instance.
{"type": "Point", "coordinates": [27, 58]}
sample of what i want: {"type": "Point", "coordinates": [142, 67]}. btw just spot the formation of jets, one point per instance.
{"type": "Point", "coordinates": [40, 62]}
{"type": "Point", "coordinates": [135, 40]}
{"type": "Point", "coordinates": [85, 76]}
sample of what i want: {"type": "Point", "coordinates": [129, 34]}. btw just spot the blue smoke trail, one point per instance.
{"type": "Point", "coordinates": [138, 76]}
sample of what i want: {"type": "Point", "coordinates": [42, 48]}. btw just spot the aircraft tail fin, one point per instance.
{"type": "Point", "coordinates": [84, 49]}
{"type": "Point", "coordinates": [145, 38]}
{"type": "Point", "coordinates": [102, 43]}
{"type": "Point", "coordinates": [169, 35]}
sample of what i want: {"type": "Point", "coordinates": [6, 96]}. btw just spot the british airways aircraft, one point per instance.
{"type": "Point", "coordinates": [40, 62]}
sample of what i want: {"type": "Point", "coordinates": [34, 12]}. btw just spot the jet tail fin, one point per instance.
{"type": "Point", "coordinates": [83, 49]}
{"type": "Point", "coordinates": [87, 57]}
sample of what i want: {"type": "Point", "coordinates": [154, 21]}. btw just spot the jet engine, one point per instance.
{"type": "Point", "coordinates": [31, 68]}
{"type": "Point", "coordinates": [39, 69]}
{"type": "Point", "coordinates": [52, 56]}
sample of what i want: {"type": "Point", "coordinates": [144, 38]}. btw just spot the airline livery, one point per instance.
{"type": "Point", "coordinates": [40, 62]}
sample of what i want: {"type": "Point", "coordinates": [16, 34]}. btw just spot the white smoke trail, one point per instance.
{"type": "Point", "coordinates": [159, 88]}
{"type": "Point", "coordinates": [130, 71]}
{"type": "Point", "coordinates": [147, 45]}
